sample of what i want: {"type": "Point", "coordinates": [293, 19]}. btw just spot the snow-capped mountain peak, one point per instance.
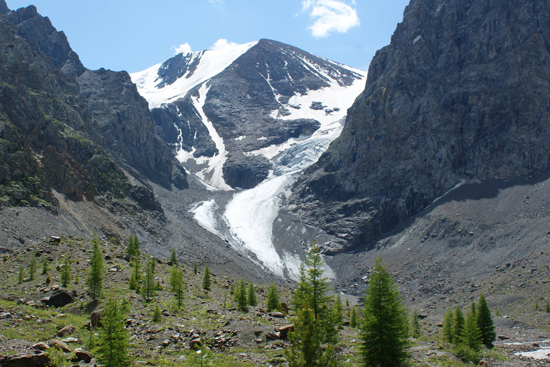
{"type": "Point", "coordinates": [249, 118]}
{"type": "Point", "coordinates": [172, 79]}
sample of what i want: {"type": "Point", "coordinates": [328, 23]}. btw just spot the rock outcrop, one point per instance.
{"type": "Point", "coordinates": [69, 129]}
{"type": "Point", "coordinates": [458, 95]}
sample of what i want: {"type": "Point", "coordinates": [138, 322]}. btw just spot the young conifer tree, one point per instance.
{"type": "Point", "coordinates": [156, 314]}
{"type": "Point", "coordinates": [337, 312]}
{"type": "Point", "coordinates": [149, 285]}
{"type": "Point", "coordinates": [315, 328]}
{"type": "Point", "coordinates": [206, 281]}
{"type": "Point", "coordinates": [272, 301]}
{"type": "Point", "coordinates": [415, 325]}
{"type": "Point", "coordinates": [173, 257]}
{"type": "Point", "coordinates": [21, 275]}
{"type": "Point", "coordinates": [385, 326]}
{"type": "Point", "coordinates": [195, 268]}
{"type": "Point", "coordinates": [135, 277]}
{"type": "Point", "coordinates": [177, 285]}
{"type": "Point", "coordinates": [66, 272]}
{"type": "Point", "coordinates": [45, 266]}
{"type": "Point", "coordinates": [447, 326]}
{"type": "Point", "coordinates": [95, 277]}
{"type": "Point", "coordinates": [307, 346]}
{"type": "Point", "coordinates": [113, 339]}
{"type": "Point", "coordinates": [485, 322]}
{"type": "Point", "coordinates": [32, 268]}
{"type": "Point", "coordinates": [353, 318]}
{"type": "Point", "coordinates": [252, 300]}
{"type": "Point", "coordinates": [458, 326]}
{"type": "Point", "coordinates": [313, 288]}
{"type": "Point", "coordinates": [132, 248]}
{"type": "Point", "coordinates": [471, 335]}
{"type": "Point", "coordinates": [240, 295]}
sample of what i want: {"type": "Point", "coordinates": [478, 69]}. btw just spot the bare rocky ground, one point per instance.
{"type": "Point", "coordinates": [158, 232]}
{"type": "Point", "coordinates": [491, 239]}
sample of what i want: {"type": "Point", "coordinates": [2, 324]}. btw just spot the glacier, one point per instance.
{"type": "Point", "coordinates": [245, 218]}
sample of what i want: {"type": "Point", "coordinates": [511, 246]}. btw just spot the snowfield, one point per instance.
{"type": "Point", "coordinates": [211, 63]}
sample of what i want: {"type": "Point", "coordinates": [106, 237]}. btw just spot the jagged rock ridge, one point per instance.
{"type": "Point", "coordinates": [457, 95]}
{"type": "Point", "coordinates": [70, 129]}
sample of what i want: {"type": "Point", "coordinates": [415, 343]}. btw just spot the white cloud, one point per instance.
{"type": "Point", "coordinates": [215, 1]}
{"type": "Point", "coordinates": [330, 16]}
{"type": "Point", "coordinates": [222, 44]}
{"type": "Point", "coordinates": [183, 48]}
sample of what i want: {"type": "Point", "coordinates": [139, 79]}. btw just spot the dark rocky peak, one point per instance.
{"type": "Point", "coordinates": [126, 126]}
{"type": "Point", "coordinates": [457, 95]}
{"type": "Point", "coordinates": [79, 135]}
{"type": "Point", "coordinates": [290, 70]}
{"type": "Point", "coordinates": [40, 32]}
{"type": "Point", "coordinates": [177, 67]}
{"type": "Point", "coordinates": [4, 7]}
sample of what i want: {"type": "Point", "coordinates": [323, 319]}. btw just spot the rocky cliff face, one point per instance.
{"type": "Point", "coordinates": [66, 128]}
{"type": "Point", "coordinates": [459, 94]}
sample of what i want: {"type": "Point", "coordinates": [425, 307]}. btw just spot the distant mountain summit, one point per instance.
{"type": "Point", "coordinates": [227, 112]}
{"type": "Point", "coordinates": [460, 94]}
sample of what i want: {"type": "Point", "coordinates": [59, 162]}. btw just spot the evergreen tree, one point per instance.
{"type": "Point", "coordinates": [312, 289]}
{"type": "Point", "coordinates": [112, 345]}
{"type": "Point", "coordinates": [337, 314]}
{"type": "Point", "coordinates": [95, 277]}
{"type": "Point", "coordinates": [353, 318]}
{"type": "Point", "coordinates": [206, 282]}
{"type": "Point", "coordinates": [135, 277]}
{"type": "Point", "coordinates": [307, 348]}
{"type": "Point", "coordinates": [240, 295]}
{"type": "Point", "coordinates": [302, 289]}
{"type": "Point", "coordinates": [132, 248]}
{"type": "Point", "coordinates": [177, 285]}
{"type": "Point", "coordinates": [547, 308]}
{"type": "Point", "coordinates": [415, 325]}
{"type": "Point", "coordinates": [156, 314]}
{"type": "Point", "coordinates": [66, 273]}
{"type": "Point", "coordinates": [132, 283]}
{"type": "Point", "coordinates": [272, 301]}
{"type": "Point", "coordinates": [45, 266]}
{"type": "Point", "coordinates": [252, 300]}
{"type": "Point", "coordinates": [385, 325]}
{"type": "Point", "coordinates": [149, 285]}
{"type": "Point", "coordinates": [32, 268]}
{"type": "Point", "coordinates": [448, 326]}
{"type": "Point", "coordinates": [471, 335]}
{"type": "Point", "coordinates": [174, 257]}
{"type": "Point", "coordinates": [195, 268]}
{"type": "Point", "coordinates": [485, 322]}
{"type": "Point", "coordinates": [315, 328]}
{"type": "Point", "coordinates": [21, 275]}
{"type": "Point", "coordinates": [458, 326]}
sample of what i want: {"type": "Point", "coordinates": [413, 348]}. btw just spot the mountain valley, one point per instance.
{"type": "Point", "coordinates": [241, 157]}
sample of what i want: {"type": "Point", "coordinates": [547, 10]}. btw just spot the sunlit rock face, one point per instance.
{"type": "Point", "coordinates": [458, 95]}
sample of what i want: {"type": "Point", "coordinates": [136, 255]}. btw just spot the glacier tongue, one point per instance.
{"type": "Point", "coordinates": [248, 218]}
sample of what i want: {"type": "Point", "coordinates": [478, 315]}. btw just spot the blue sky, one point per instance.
{"type": "Point", "coordinates": [133, 35]}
